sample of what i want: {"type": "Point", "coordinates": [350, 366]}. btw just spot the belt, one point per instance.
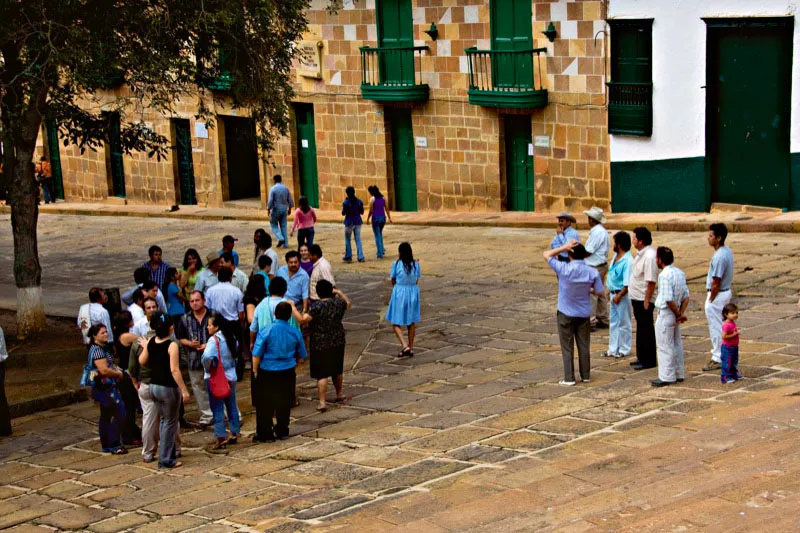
{"type": "Point", "coordinates": [615, 292]}
{"type": "Point", "coordinates": [600, 265]}
{"type": "Point", "coordinates": [721, 290]}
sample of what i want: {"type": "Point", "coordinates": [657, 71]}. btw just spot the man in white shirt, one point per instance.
{"type": "Point", "coordinates": [94, 313]}
{"type": "Point", "coordinates": [142, 326]}
{"type": "Point", "coordinates": [597, 245]}
{"type": "Point", "coordinates": [226, 299]}
{"type": "Point", "coordinates": [672, 300]}
{"type": "Point", "coordinates": [140, 277]}
{"type": "Point", "coordinates": [207, 278]}
{"type": "Point", "coordinates": [239, 279]}
{"type": "Point", "coordinates": [641, 288]}
{"type": "Point", "coordinates": [322, 270]}
{"type": "Point", "coordinates": [136, 307]}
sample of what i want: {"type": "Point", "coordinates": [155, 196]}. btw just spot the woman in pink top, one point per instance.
{"type": "Point", "coordinates": [304, 219]}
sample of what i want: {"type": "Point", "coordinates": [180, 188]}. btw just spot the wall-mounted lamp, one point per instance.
{"type": "Point", "coordinates": [433, 31]}
{"type": "Point", "coordinates": [550, 32]}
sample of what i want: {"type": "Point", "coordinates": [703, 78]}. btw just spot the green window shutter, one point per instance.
{"type": "Point", "coordinates": [630, 109]}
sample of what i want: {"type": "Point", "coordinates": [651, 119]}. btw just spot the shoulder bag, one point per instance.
{"type": "Point", "coordinates": [218, 383]}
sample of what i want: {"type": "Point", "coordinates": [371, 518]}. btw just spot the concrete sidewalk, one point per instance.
{"type": "Point", "coordinates": [740, 222]}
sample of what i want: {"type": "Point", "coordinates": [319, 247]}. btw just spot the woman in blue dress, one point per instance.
{"type": "Point", "coordinates": [404, 305]}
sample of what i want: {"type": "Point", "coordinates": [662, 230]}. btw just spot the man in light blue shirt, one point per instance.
{"type": "Point", "coordinates": [296, 280]}
{"type": "Point", "coordinates": [718, 287]}
{"type": "Point", "coordinates": [597, 245]}
{"type": "Point", "coordinates": [577, 281]}
{"type": "Point", "coordinates": [620, 332]}
{"type": "Point", "coordinates": [564, 234]}
{"type": "Point", "coordinates": [278, 206]}
{"type": "Point", "coordinates": [275, 356]}
{"type": "Point", "coordinates": [671, 302]}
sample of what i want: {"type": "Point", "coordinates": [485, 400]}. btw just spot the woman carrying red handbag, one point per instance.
{"type": "Point", "coordinates": [220, 376]}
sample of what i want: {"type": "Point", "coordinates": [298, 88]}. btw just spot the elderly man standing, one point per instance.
{"type": "Point", "coordinates": [718, 287]}
{"type": "Point", "coordinates": [564, 234]}
{"type": "Point", "coordinates": [597, 246]}
{"type": "Point", "coordinates": [577, 281]}
{"type": "Point", "coordinates": [278, 206]}
{"type": "Point", "coordinates": [673, 297]}
{"type": "Point", "coordinates": [641, 288]}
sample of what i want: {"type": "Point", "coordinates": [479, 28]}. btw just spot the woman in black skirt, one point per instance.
{"type": "Point", "coordinates": [327, 339]}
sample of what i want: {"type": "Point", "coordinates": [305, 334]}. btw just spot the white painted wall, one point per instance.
{"type": "Point", "coordinates": [679, 72]}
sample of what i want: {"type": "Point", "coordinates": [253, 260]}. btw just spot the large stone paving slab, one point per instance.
{"type": "Point", "coordinates": [472, 434]}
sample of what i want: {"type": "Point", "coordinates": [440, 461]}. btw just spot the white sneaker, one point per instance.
{"type": "Point", "coordinates": [586, 380]}
{"type": "Point", "coordinates": [566, 383]}
{"type": "Point", "coordinates": [619, 355]}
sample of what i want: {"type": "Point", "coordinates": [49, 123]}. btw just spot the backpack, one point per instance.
{"type": "Point", "coordinates": [217, 382]}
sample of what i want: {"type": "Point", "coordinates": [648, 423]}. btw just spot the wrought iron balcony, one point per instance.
{"type": "Point", "coordinates": [630, 108]}
{"type": "Point", "coordinates": [393, 74]}
{"type": "Point", "coordinates": [499, 78]}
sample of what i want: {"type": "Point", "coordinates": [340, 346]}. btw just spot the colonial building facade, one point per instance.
{"type": "Point", "coordinates": [494, 105]}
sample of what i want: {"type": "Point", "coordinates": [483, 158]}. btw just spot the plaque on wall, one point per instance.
{"type": "Point", "coordinates": [310, 58]}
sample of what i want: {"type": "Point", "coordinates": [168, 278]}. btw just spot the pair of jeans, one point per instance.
{"type": "Point", "coordinates": [277, 222]}
{"type": "Point", "coordinates": [274, 398]}
{"type": "Point", "coordinates": [305, 236]}
{"type": "Point", "coordinates": [377, 230]}
{"type": "Point", "coordinates": [572, 331]}
{"type": "Point", "coordinates": [620, 329]}
{"type": "Point", "coordinates": [218, 408]}
{"type": "Point", "coordinates": [670, 346]}
{"type": "Point", "coordinates": [112, 416]}
{"type": "Point", "coordinates": [354, 230]}
{"type": "Point", "coordinates": [5, 413]}
{"type": "Point", "coordinates": [729, 363]}
{"type": "Point", "coordinates": [167, 402]}
{"type": "Point", "coordinates": [48, 190]}
{"type": "Point", "coordinates": [645, 334]}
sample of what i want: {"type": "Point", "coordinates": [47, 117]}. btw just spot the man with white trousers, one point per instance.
{"type": "Point", "coordinates": [671, 302]}
{"type": "Point", "coordinates": [718, 287]}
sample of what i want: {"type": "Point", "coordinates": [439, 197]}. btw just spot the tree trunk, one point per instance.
{"type": "Point", "coordinates": [27, 270]}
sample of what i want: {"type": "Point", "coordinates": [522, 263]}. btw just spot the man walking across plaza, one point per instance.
{"type": "Point", "coordinates": [564, 234]}
{"type": "Point", "coordinates": [278, 206]}
{"type": "Point", "coordinates": [322, 270]}
{"type": "Point", "coordinates": [158, 268]}
{"type": "Point", "coordinates": [673, 297]}
{"type": "Point", "coordinates": [718, 287]}
{"type": "Point", "coordinates": [577, 282]}
{"type": "Point", "coordinates": [619, 273]}
{"type": "Point", "coordinates": [192, 333]}
{"type": "Point", "coordinates": [641, 288]}
{"type": "Point", "coordinates": [597, 245]}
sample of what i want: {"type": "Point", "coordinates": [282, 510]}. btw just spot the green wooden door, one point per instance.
{"type": "Point", "coordinates": [519, 164]}
{"type": "Point", "coordinates": [512, 30]}
{"type": "Point", "coordinates": [749, 88]}
{"type": "Point", "coordinates": [115, 165]}
{"type": "Point", "coordinates": [55, 156]}
{"type": "Point", "coordinates": [183, 159]}
{"type": "Point", "coordinates": [307, 152]}
{"type": "Point", "coordinates": [395, 30]}
{"type": "Point", "coordinates": [404, 160]}
{"type": "Point", "coordinates": [242, 158]}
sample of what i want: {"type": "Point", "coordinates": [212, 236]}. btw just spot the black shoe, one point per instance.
{"type": "Point", "coordinates": [634, 363]}
{"type": "Point", "coordinates": [679, 380]}
{"type": "Point", "coordinates": [659, 383]}
{"type": "Point", "coordinates": [268, 438]}
{"type": "Point", "coordinates": [638, 366]}
{"type": "Point", "coordinates": [185, 424]}
{"type": "Point", "coordinates": [601, 325]}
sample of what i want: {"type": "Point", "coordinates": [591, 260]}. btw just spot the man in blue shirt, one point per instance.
{"type": "Point", "coordinates": [228, 242]}
{"type": "Point", "coordinates": [278, 206]}
{"type": "Point", "coordinates": [275, 356]}
{"type": "Point", "coordinates": [577, 281]}
{"type": "Point", "coordinates": [564, 234]}
{"type": "Point", "coordinates": [718, 287]}
{"type": "Point", "coordinates": [620, 331]}
{"type": "Point", "coordinates": [296, 280]}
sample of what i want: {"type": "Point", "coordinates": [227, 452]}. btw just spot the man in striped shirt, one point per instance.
{"type": "Point", "coordinates": [157, 267]}
{"type": "Point", "coordinates": [671, 302]}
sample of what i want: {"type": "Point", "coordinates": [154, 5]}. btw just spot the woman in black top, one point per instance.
{"type": "Point", "coordinates": [327, 339]}
{"type": "Point", "coordinates": [166, 385]}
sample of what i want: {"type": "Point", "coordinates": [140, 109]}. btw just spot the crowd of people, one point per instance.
{"type": "Point", "coordinates": [595, 294]}
{"type": "Point", "coordinates": [216, 320]}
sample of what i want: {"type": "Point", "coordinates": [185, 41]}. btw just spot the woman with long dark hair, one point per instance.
{"type": "Point", "coordinates": [352, 209]}
{"type": "Point", "coordinates": [105, 391]}
{"type": "Point", "coordinates": [378, 214]}
{"type": "Point", "coordinates": [173, 295]}
{"type": "Point", "coordinates": [192, 266]}
{"type": "Point", "coordinates": [404, 306]}
{"type": "Point", "coordinates": [219, 350]}
{"type": "Point", "coordinates": [304, 219]}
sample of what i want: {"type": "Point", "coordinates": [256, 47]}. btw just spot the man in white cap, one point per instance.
{"type": "Point", "coordinates": [597, 246]}
{"type": "Point", "coordinates": [564, 234]}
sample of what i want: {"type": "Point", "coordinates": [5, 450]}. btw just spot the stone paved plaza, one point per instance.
{"type": "Point", "coordinates": [471, 434]}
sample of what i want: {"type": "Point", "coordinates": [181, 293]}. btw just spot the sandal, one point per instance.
{"type": "Point", "coordinates": [322, 408]}
{"type": "Point", "coordinates": [233, 439]}
{"type": "Point", "coordinates": [406, 352]}
{"type": "Point", "coordinates": [343, 399]}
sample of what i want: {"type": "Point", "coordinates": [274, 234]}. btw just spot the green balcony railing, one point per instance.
{"type": "Point", "coordinates": [500, 78]}
{"type": "Point", "coordinates": [630, 108]}
{"type": "Point", "coordinates": [393, 74]}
